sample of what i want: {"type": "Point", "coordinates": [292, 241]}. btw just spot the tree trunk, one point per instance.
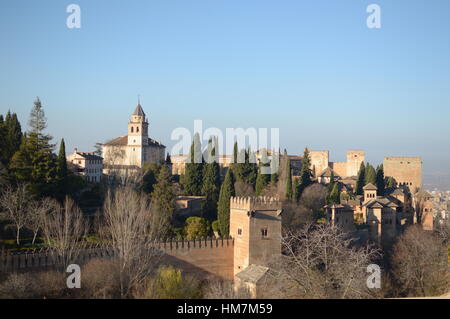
{"type": "Point", "coordinates": [18, 236]}
{"type": "Point", "coordinates": [34, 238]}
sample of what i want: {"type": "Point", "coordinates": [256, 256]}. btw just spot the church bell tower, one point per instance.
{"type": "Point", "coordinates": [138, 128]}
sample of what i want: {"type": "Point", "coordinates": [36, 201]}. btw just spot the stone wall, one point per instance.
{"type": "Point", "coordinates": [319, 161]}
{"type": "Point", "coordinates": [204, 258]}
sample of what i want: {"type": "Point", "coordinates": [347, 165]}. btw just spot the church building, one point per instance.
{"type": "Point", "coordinates": [125, 154]}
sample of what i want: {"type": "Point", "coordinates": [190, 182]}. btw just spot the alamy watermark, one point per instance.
{"type": "Point", "coordinates": [74, 19]}
{"type": "Point", "coordinates": [74, 279]}
{"type": "Point", "coordinates": [261, 145]}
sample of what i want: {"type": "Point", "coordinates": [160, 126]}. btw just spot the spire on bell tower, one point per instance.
{"type": "Point", "coordinates": [138, 126]}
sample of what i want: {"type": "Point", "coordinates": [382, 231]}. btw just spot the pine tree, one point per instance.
{"type": "Point", "coordinates": [211, 188]}
{"type": "Point", "coordinates": [360, 179]}
{"type": "Point", "coordinates": [370, 175]}
{"type": "Point", "coordinates": [223, 206]}
{"type": "Point", "coordinates": [193, 177]}
{"type": "Point", "coordinates": [380, 181]}
{"type": "Point", "coordinates": [163, 197]}
{"type": "Point", "coordinates": [35, 162]}
{"type": "Point", "coordinates": [289, 192]}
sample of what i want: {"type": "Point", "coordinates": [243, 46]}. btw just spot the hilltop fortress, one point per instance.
{"type": "Point", "coordinates": [407, 171]}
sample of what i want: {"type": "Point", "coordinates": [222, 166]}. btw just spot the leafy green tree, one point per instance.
{"type": "Point", "coordinates": [360, 180]}
{"type": "Point", "coordinates": [223, 206]}
{"type": "Point", "coordinates": [370, 175]}
{"type": "Point", "coordinates": [193, 177]}
{"type": "Point", "coordinates": [196, 227]}
{"type": "Point", "coordinates": [289, 191]}
{"type": "Point", "coordinates": [163, 196]}
{"type": "Point", "coordinates": [380, 180]}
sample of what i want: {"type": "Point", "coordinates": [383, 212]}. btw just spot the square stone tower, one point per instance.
{"type": "Point", "coordinates": [354, 160]}
{"type": "Point", "coordinates": [255, 225]}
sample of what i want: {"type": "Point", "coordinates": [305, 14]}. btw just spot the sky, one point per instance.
{"type": "Point", "coordinates": [313, 69]}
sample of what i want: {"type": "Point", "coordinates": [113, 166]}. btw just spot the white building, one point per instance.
{"type": "Point", "coordinates": [88, 165]}
{"type": "Point", "coordinates": [130, 152]}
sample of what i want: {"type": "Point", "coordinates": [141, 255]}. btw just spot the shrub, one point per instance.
{"type": "Point", "coordinates": [169, 283]}
{"type": "Point", "coordinates": [40, 285]}
{"type": "Point", "coordinates": [196, 227]}
{"type": "Point", "coordinates": [215, 225]}
{"type": "Point", "coordinates": [100, 280]}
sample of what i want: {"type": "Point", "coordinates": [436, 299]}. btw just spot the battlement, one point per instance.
{"type": "Point", "coordinates": [174, 244]}
{"type": "Point", "coordinates": [255, 203]}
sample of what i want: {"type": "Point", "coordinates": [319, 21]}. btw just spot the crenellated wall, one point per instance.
{"type": "Point", "coordinates": [206, 257]}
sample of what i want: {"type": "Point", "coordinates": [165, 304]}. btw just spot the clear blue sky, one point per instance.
{"type": "Point", "coordinates": [311, 68]}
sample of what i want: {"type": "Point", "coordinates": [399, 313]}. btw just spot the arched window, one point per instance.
{"type": "Point", "coordinates": [137, 129]}
{"type": "Point", "coordinates": [132, 129]}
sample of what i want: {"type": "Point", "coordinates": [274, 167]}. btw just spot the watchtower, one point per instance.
{"type": "Point", "coordinates": [255, 225]}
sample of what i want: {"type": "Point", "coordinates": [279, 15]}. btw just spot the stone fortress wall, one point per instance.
{"type": "Point", "coordinates": [405, 170]}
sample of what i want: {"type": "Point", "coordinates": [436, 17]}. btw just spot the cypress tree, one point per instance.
{"type": "Point", "coordinates": [62, 162]}
{"type": "Point", "coordinates": [305, 173]}
{"type": "Point", "coordinates": [163, 197]}
{"type": "Point", "coordinates": [334, 196]}
{"type": "Point", "coordinates": [11, 136]}
{"type": "Point", "coordinates": [193, 177]}
{"type": "Point", "coordinates": [289, 193]}
{"type": "Point", "coordinates": [235, 153]}
{"type": "Point", "coordinates": [360, 179]}
{"type": "Point", "coordinates": [2, 141]}
{"type": "Point", "coordinates": [274, 166]}
{"type": "Point", "coordinates": [262, 179]}
{"type": "Point", "coordinates": [391, 182]}
{"type": "Point", "coordinates": [380, 180]}
{"type": "Point", "coordinates": [223, 206]}
{"type": "Point", "coordinates": [61, 171]}
{"type": "Point", "coordinates": [370, 175]}
{"type": "Point", "coordinates": [211, 188]}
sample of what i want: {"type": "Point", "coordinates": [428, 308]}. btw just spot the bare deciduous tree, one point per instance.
{"type": "Point", "coordinates": [37, 211]}
{"type": "Point", "coordinates": [133, 228]}
{"type": "Point", "coordinates": [419, 263]}
{"type": "Point", "coordinates": [320, 262]}
{"type": "Point", "coordinates": [14, 202]}
{"type": "Point", "coordinates": [63, 228]}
